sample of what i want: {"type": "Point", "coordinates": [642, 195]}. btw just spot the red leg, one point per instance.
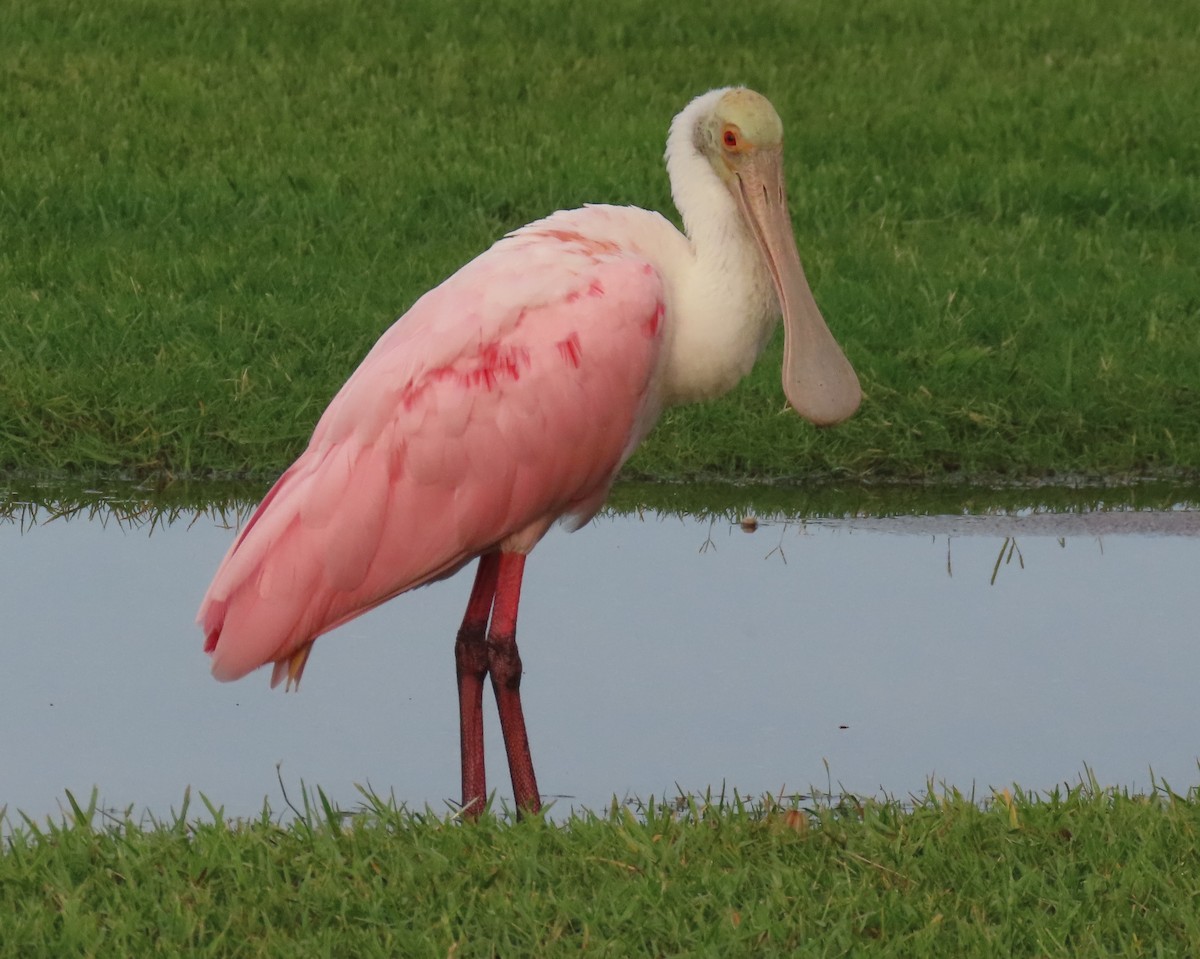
{"type": "Point", "coordinates": [471, 661]}
{"type": "Point", "coordinates": [504, 664]}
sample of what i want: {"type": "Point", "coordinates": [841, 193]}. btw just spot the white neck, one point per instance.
{"type": "Point", "coordinates": [724, 303]}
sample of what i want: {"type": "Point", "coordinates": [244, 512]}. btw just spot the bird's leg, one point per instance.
{"type": "Point", "coordinates": [504, 664]}
{"type": "Point", "coordinates": [471, 661]}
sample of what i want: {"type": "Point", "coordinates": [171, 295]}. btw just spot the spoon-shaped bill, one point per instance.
{"type": "Point", "coordinates": [818, 380]}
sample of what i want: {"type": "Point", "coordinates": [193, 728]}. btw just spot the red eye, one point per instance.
{"type": "Point", "coordinates": [731, 139]}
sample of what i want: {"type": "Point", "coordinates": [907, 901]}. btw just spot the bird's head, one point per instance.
{"type": "Point", "coordinates": [742, 123]}
{"type": "Point", "coordinates": [741, 137]}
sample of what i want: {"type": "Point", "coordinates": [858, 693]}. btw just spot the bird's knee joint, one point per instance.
{"type": "Point", "coordinates": [504, 663]}
{"type": "Point", "coordinates": [471, 653]}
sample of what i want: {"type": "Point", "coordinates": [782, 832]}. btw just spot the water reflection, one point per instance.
{"type": "Point", "coordinates": [661, 651]}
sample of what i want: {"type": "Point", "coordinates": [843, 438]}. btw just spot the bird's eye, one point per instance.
{"type": "Point", "coordinates": [730, 138]}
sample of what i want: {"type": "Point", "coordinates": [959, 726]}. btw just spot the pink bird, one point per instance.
{"type": "Point", "coordinates": [509, 396]}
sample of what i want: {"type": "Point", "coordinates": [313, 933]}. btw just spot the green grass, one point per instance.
{"type": "Point", "coordinates": [209, 211]}
{"type": "Point", "coordinates": [27, 503]}
{"type": "Point", "coordinates": [1076, 873]}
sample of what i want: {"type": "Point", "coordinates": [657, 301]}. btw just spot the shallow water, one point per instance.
{"type": "Point", "coordinates": [870, 654]}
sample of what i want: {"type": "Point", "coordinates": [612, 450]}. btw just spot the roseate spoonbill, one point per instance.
{"type": "Point", "coordinates": [509, 396]}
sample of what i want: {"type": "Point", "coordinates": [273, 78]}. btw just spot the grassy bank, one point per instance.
{"type": "Point", "coordinates": [26, 503]}
{"type": "Point", "coordinates": [1082, 872]}
{"type": "Point", "coordinates": [209, 212]}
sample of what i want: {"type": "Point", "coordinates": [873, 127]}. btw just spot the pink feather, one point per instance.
{"type": "Point", "coordinates": [507, 397]}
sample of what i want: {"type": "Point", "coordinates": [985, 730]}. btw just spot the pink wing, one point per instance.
{"type": "Point", "coordinates": [505, 398]}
